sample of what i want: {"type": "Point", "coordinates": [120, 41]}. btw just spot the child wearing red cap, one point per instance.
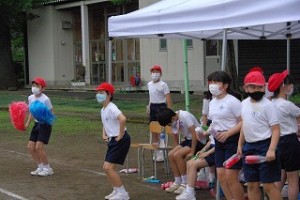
{"type": "Point", "coordinates": [159, 98]}
{"type": "Point", "coordinates": [288, 113]}
{"type": "Point", "coordinates": [118, 140]}
{"type": "Point", "coordinates": [41, 132]}
{"type": "Point", "coordinates": [259, 136]}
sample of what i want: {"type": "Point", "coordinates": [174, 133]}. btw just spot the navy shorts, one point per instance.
{"type": "Point", "coordinates": [40, 132]}
{"type": "Point", "coordinates": [225, 150]}
{"type": "Point", "coordinates": [289, 152]}
{"type": "Point", "coordinates": [267, 172]}
{"type": "Point", "coordinates": [188, 143]}
{"type": "Point", "coordinates": [154, 110]}
{"type": "Point", "coordinates": [117, 151]}
{"type": "Point", "coordinates": [211, 158]}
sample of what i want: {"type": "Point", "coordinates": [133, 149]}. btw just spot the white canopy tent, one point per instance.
{"type": "Point", "coordinates": [210, 19]}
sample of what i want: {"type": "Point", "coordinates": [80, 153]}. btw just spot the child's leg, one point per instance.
{"type": "Point", "coordinates": [112, 176]}
{"type": "Point", "coordinates": [172, 161]}
{"type": "Point", "coordinates": [179, 157]}
{"type": "Point", "coordinates": [223, 182]}
{"type": "Point", "coordinates": [32, 150]}
{"type": "Point", "coordinates": [293, 187]}
{"type": "Point", "coordinates": [232, 177]}
{"type": "Point", "coordinates": [253, 190]}
{"type": "Point", "coordinates": [192, 167]}
{"type": "Point", "coordinates": [41, 153]}
{"type": "Point", "coordinates": [272, 191]}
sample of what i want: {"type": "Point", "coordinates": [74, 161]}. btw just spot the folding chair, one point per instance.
{"type": "Point", "coordinates": [155, 127]}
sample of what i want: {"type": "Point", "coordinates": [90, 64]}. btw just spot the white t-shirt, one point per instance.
{"type": "Point", "coordinates": [224, 112]}
{"type": "Point", "coordinates": [186, 120]}
{"type": "Point", "coordinates": [258, 118]}
{"type": "Point", "coordinates": [287, 113]}
{"type": "Point", "coordinates": [43, 99]}
{"type": "Point", "coordinates": [158, 91]}
{"type": "Point", "coordinates": [109, 117]}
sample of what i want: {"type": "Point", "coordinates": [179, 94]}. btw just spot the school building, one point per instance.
{"type": "Point", "coordinates": [68, 45]}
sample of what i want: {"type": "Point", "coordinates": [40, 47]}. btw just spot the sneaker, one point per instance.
{"type": "Point", "coordinates": [180, 189]}
{"type": "Point", "coordinates": [173, 187]}
{"type": "Point", "coordinates": [46, 172]}
{"type": "Point", "coordinates": [186, 196]}
{"type": "Point", "coordinates": [111, 194]}
{"type": "Point", "coordinates": [159, 156]}
{"type": "Point", "coordinates": [36, 172]}
{"type": "Point", "coordinates": [120, 196]}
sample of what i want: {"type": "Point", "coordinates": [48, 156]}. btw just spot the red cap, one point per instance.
{"type": "Point", "coordinates": [257, 68]}
{"type": "Point", "coordinates": [107, 87]}
{"type": "Point", "coordinates": [276, 80]}
{"type": "Point", "coordinates": [156, 67]}
{"type": "Point", "coordinates": [40, 81]}
{"type": "Point", "coordinates": [255, 78]}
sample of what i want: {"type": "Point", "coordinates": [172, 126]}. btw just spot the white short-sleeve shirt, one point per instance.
{"type": "Point", "coordinates": [158, 91]}
{"type": "Point", "coordinates": [43, 98]}
{"type": "Point", "coordinates": [109, 117]}
{"type": "Point", "coordinates": [258, 118]}
{"type": "Point", "coordinates": [224, 112]}
{"type": "Point", "coordinates": [287, 113]}
{"type": "Point", "coordinates": [186, 120]}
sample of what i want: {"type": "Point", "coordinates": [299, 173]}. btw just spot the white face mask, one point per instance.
{"type": "Point", "coordinates": [214, 89]}
{"type": "Point", "coordinates": [155, 76]}
{"type": "Point", "coordinates": [100, 97]}
{"type": "Point", "coordinates": [290, 93]}
{"type": "Point", "coordinates": [35, 90]}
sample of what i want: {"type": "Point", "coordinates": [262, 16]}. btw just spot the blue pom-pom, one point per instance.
{"type": "Point", "coordinates": [41, 112]}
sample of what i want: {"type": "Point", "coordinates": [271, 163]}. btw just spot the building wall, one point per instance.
{"type": "Point", "coordinates": [171, 61]}
{"type": "Point", "coordinates": [50, 48]}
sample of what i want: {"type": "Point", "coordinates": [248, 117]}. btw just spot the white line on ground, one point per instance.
{"type": "Point", "coordinates": [60, 163]}
{"type": "Point", "coordinates": [8, 193]}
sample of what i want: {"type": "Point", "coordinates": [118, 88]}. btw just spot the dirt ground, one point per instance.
{"type": "Point", "coordinates": [77, 164]}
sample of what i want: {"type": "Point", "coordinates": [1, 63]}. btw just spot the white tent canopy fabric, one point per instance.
{"type": "Point", "coordinates": [206, 19]}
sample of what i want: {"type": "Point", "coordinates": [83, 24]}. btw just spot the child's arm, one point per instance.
{"type": "Point", "coordinates": [169, 100]}
{"type": "Point", "coordinates": [205, 148]}
{"type": "Point", "coordinates": [194, 141]}
{"type": "Point", "coordinates": [122, 120]}
{"type": "Point", "coordinates": [204, 120]}
{"type": "Point", "coordinates": [241, 142]}
{"type": "Point", "coordinates": [28, 120]}
{"type": "Point", "coordinates": [274, 141]}
{"type": "Point", "coordinates": [222, 137]}
{"type": "Point", "coordinates": [207, 153]}
{"type": "Point", "coordinates": [104, 136]}
{"type": "Point", "coordinates": [176, 139]}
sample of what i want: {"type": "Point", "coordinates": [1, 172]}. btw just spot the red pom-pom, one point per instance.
{"type": "Point", "coordinates": [17, 111]}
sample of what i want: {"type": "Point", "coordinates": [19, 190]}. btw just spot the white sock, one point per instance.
{"type": "Point", "coordinates": [183, 179]}
{"type": "Point", "coordinates": [190, 190]}
{"type": "Point", "coordinates": [46, 166]}
{"type": "Point", "coordinates": [178, 180]}
{"type": "Point", "coordinates": [40, 166]}
{"type": "Point", "coordinates": [121, 189]}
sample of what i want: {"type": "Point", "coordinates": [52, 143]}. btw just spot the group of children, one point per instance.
{"type": "Point", "coordinates": [255, 126]}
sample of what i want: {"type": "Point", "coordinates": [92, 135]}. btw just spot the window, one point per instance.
{"type": "Point", "coordinates": [163, 44]}
{"type": "Point", "coordinates": [189, 43]}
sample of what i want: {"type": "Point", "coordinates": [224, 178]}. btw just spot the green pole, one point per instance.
{"type": "Point", "coordinates": [186, 76]}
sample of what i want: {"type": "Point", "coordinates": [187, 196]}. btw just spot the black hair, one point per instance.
{"type": "Point", "coordinates": [164, 116]}
{"type": "Point", "coordinates": [287, 81]}
{"type": "Point", "coordinates": [222, 76]}
{"type": "Point", "coordinates": [111, 96]}
{"type": "Point", "coordinates": [207, 94]}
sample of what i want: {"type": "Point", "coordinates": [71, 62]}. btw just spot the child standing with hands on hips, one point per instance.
{"type": "Point", "coordinates": [288, 113]}
{"type": "Point", "coordinates": [41, 132]}
{"type": "Point", "coordinates": [259, 136]}
{"type": "Point", "coordinates": [118, 140]}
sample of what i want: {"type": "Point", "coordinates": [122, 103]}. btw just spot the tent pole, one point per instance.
{"type": "Point", "coordinates": [186, 76]}
{"type": "Point", "coordinates": [288, 56]}
{"type": "Point", "coordinates": [224, 50]}
{"type": "Point", "coordinates": [109, 63]}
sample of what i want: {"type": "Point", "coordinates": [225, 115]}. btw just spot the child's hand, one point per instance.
{"type": "Point", "coordinates": [105, 138]}
{"type": "Point", "coordinates": [222, 136]}
{"type": "Point", "coordinates": [270, 156]}
{"type": "Point", "coordinates": [239, 151]}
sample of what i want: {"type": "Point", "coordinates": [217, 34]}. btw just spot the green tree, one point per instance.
{"type": "Point", "coordinates": [12, 20]}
